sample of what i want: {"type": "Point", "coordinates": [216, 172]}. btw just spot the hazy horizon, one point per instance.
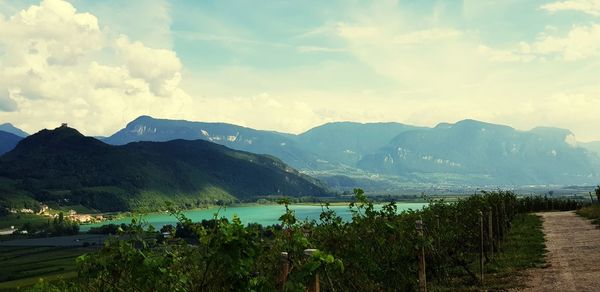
{"type": "Point", "coordinates": [289, 66]}
{"type": "Point", "coordinates": [295, 133]}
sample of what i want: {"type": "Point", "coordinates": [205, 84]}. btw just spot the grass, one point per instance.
{"type": "Point", "coordinates": [17, 220]}
{"type": "Point", "coordinates": [591, 212]}
{"type": "Point", "coordinates": [24, 266]}
{"type": "Point", "coordinates": [523, 248]}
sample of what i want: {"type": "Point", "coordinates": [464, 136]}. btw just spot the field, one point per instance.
{"type": "Point", "coordinates": [23, 266]}
{"type": "Point", "coordinates": [17, 220]}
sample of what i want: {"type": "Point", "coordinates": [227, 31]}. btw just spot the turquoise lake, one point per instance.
{"type": "Point", "coordinates": [262, 214]}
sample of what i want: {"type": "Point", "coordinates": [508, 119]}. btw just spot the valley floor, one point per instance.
{"type": "Point", "coordinates": [573, 258]}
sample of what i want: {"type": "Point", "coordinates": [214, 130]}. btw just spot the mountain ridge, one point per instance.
{"type": "Point", "coordinates": [500, 153]}
{"type": "Point", "coordinates": [8, 127]}
{"type": "Point", "coordinates": [466, 153]}
{"type": "Point", "coordinates": [62, 166]}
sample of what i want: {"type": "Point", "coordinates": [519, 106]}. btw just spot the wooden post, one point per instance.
{"type": "Point", "coordinates": [437, 232]}
{"type": "Point", "coordinates": [285, 269]}
{"type": "Point", "coordinates": [591, 198]}
{"type": "Point", "coordinates": [422, 272]}
{"type": "Point", "coordinates": [481, 247]}
{"type": "Point", "coordinates": [503, 221]}
{"type": "Point", "coordinates": [491, 231]}
{"type": "Point", "coordinates": [314, 286]}
{"type": "Point", "coordinates": [498, 231]}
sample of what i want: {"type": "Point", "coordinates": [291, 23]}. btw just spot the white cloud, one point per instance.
{"type": "Point", "coordinates": [58, 64]}
{"type": "Point", "coordinates": [591, 7]}
{"type": "Point", "coordinates": [159, 67]}
{"type": "Point", "coordinates": [581, 42]}
{"type": "Point", "coordinates": [51, 33]}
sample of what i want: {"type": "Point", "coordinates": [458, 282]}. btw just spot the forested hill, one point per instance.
{"type": "Point", "coordinates": [63, 166]}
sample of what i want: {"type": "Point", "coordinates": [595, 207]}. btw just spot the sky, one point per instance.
{"type": "Point", "coordinates": [292, 65]}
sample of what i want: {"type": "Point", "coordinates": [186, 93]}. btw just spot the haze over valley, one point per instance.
{"type": "Point", "coordinates": [151, 161]}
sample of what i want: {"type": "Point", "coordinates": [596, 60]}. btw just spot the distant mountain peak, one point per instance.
{"type": "Point", "coordinates": [8, 127]}
{"type": "Point", "coordinates": [477, 123]}
{"type": "Point", "coordinates": [139, 120]}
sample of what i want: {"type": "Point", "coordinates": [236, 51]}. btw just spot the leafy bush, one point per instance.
{"type": "Point", "coordinates": [59, 226]}
{"type": "Point", "coordinates": [377, 250]}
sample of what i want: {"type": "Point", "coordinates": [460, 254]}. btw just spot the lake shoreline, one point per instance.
{"type": "Point", "coordinates": [118, 215]}
{"type": "Point", "coordinates": [264, 214]}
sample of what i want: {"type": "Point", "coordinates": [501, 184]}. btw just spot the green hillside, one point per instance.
{"type": "Point", "coordinates": [63, 167]}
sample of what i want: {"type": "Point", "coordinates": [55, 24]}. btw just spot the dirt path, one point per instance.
{"type": "Point", "coordinates": [573, 257]}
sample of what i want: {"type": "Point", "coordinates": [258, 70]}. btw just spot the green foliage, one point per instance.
{"type": "Point", "coordinates": [57, 227]}
{"type": "Point", "coordinates": [523, 248]}
{"type": "Point", "coordinates": [591, 212]}
{"type": "Point", "coordinates": [108, 229]}
{"type": "Point", "coordinates": [539, 203]}
{"type": "Point", "coordinates": [375, 251]}
{"type": "Point", "coordinates": [62, 167]}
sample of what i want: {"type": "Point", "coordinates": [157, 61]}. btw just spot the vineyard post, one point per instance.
{"type": "Point", "coordinates": [437, 237]}
{"type": "Point", "coordinates": [314, 286]}
{"type": "Point", "coordinates": [481, 247]}
{"type": "Point", "coordinates": [491, 231]}
{"type": "Point", "coordinates": [285, 269]}
{"type": "Point", "coordinates": [503, 222]}
{"type": "Point", "coordinates": [498, 231]}
{"type": "Point", "coordinates": [422, 275]}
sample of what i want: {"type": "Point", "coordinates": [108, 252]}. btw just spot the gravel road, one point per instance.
{"type": "Point", "coordinates": [573, 257]}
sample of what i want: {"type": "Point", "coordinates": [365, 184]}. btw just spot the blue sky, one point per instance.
{"type": "Point", "coordinates": [291, 65]}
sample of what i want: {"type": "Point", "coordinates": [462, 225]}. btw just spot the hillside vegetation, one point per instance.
{"type": "Point", "coordinates": [378, 250]}
{"type": "Point", "coordinates": [63, 167]}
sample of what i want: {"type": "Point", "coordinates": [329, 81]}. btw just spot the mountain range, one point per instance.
{"type": "Point", "coordinates": [386, 157]}
{"type": "Point", "coordinates": [64, 167]}
{"type": "Point", "coordinates": [280, 145]}
{"type": "Point", "coordinates": [489, 153]}
{"type": "Point", "coordinates": [393, 155]}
